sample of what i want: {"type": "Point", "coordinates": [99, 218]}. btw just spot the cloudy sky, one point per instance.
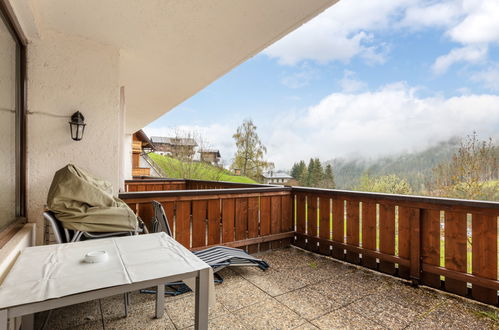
{"type": "Point", "coordinates": [364, 78]}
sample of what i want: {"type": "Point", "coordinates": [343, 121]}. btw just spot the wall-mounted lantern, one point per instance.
{"type": "Point", "coordinates": [77, 126]}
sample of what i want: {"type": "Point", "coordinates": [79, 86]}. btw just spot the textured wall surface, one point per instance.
{"type": "Point", "coordinates": [7, 126]}
{"type": "Point", "coordinates": [68, 74]}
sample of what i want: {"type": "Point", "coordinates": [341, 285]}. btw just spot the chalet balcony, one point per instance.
{"type": "Point", "coordinates": [338, 259]}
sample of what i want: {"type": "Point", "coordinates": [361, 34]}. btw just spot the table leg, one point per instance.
{"type": "Point", "coordinates": [28, 322]}
{"type": "Point", "coordinates": [160, 300]}
{"type": "Point", "coordinates": [202, 299]}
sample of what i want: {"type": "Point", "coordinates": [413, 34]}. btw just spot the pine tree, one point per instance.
{"type": "Point", "coordinates": [328, 181]}
{"type": "Point", "coordinates": [310, 173]}
{"type": "Point", "coordinates": [317, 173]}
{"type": "Point", "coordinates": [295, 171]}
{"type": "Point", "coordinates": [302, 176]}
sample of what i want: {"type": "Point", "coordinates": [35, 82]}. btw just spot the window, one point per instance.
{"type": "Point", "coordinates": [12, 124]}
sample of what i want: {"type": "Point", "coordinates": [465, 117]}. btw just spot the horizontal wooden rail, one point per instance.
{"type": "Point", "coordinates": [351, 248]}
{"type": "Point", "coordinates": [460, 276]}
{"type": "Point", "coordinates": [202, 194]}
{"type": "Point", "coordinates": [165, 184]}
{"type": "Point", "coordinates": [252, 241]}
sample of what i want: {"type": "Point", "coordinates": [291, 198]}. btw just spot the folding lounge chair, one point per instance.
{"type": "Point", "coordinates": [63, 235]}
{"type": "Point", "coordinates": [218, 257]}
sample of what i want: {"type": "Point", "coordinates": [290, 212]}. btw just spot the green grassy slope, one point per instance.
{"type": "Point", "coordinates": [175, 168]}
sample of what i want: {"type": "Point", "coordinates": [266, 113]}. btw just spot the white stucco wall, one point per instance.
{"type": "Point", "coordinates": [127, 153]}
{"type": "Point", "coordinates": [68, 73]}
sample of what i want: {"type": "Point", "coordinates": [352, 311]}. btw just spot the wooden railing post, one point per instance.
{"type": "Point", "coordinates": [415, 247]}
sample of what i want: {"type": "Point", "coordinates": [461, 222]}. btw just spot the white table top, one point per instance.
{"type": "Point", "coordinates": [53, 271]}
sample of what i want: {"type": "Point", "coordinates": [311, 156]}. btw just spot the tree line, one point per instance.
{"type": "Point", "coordinates": [313, 175]}
{"type": "Point", "coordinates": [472, 172]}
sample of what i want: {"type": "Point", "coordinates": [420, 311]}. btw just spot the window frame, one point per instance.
{"type": "Point", "coordinates": [8, 18]}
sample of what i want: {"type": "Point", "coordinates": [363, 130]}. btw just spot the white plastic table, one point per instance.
{"type": "Point", "coordinates": [53, 276]}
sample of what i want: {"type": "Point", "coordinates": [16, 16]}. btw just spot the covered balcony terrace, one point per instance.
{"type": "Point", "coordinates": [338, 259]}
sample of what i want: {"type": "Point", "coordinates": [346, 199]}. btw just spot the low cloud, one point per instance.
{"type": "Point", "coordinates": [389, 120]}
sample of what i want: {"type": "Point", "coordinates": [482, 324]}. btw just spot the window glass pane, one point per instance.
{"type": "Point", "coordinates": [8, 92]}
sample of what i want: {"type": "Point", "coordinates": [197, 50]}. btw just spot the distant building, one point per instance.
{"type": "Point", "coordinates": [173, 146]}
{"type": "Point", "coordinates": [211, 156]}
{"type": "Point", "coordinates": [278, 177]}
{"type": "Point", "coordinates": [142, 164]}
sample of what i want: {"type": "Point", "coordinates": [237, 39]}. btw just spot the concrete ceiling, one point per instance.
{"type": "Point", "coordinates": [171, 49]}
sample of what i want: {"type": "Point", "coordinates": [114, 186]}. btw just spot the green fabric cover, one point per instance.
{"type": "Point", "coordinates": [85, 203]}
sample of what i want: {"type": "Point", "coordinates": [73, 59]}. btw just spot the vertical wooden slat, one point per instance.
{"type": "Point", "coordinates": [455, 249]}
{"type": "Point", "coordinates": [286, 217]}
{"type": "Point", "coordinates": [145, 212]}
{"type": "Point", "coordinates": [241, 219]}
{"type": "Point", "coordinates": [287, 213]}
{"type": "Point", "coordinates": [275, 222]}
{"type": "Point", "coordinates": [228, 208]}
{"type": "Point", "coordinates": [169, 208]}
{"type": "Point", "coordinates": [213, 222]}
{"type": "Point", "coordinates": [430, 244]}
{"type": "Point", "coordinates": [387, 236]}
{"type": "Point", "coordinates": [338, 227]}
{"type": "Point", "coordinates": [253, 222]}
{"type": "Point", "coordinates": [312, 214]}
{"type": "Point", "coordinates": [369, 232]}
{"type": "Point", "coordinates": [264, 221]}
{"type": "Point", "coordinates": [415, 247]}
{"type": "Point", "coordinates": [353, 229]}
{"type": "Point", "coordinates": [324, 224]}
{"type": "Point", "coordinates": [182, 222]}
{"type": "Point", "coordinates": [404, 232]}
{"type": "Point", "coordinates": [300, 219]}
{"type": "Point", "coordinates": [484, 255]}
{"type": "Point", "coordinates": [199, 211]}
{"type": "Point", "coordinates": [407, 218]}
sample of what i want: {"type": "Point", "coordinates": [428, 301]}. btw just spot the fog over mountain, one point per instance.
{"type": "Point", "coordinates": [416, 167]}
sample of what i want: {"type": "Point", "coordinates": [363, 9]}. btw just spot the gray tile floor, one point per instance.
{"type": "Point", "coordinates": [301, 290]}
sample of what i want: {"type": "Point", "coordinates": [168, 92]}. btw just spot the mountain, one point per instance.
{"type": "Point", "coordinates": [415, 167]}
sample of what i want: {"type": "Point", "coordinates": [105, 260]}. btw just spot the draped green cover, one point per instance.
{"type": "Point", "coordinates": [86, 203]}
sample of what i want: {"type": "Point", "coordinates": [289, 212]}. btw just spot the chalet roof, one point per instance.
{"type": "Point", "coordinates": [141, 136]}
{"type": "Point", "coordinates": [174, 141]}
{"type": "Point", "coordinates": [210, 151]}
{"type": "Point", "coordinates": [276, 175]}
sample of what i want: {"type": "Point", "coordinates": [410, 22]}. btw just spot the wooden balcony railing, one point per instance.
{"type": "Point", "coordinates": [416, 238]}
{"type": "Point", "coordinates": [161, 184]}
{"type": "Point", "coordinates": [255, 219]}
{"type": "Point", "coordinates": [443, 243]}
{"type": "Point", "coordinates": [154, 185]}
